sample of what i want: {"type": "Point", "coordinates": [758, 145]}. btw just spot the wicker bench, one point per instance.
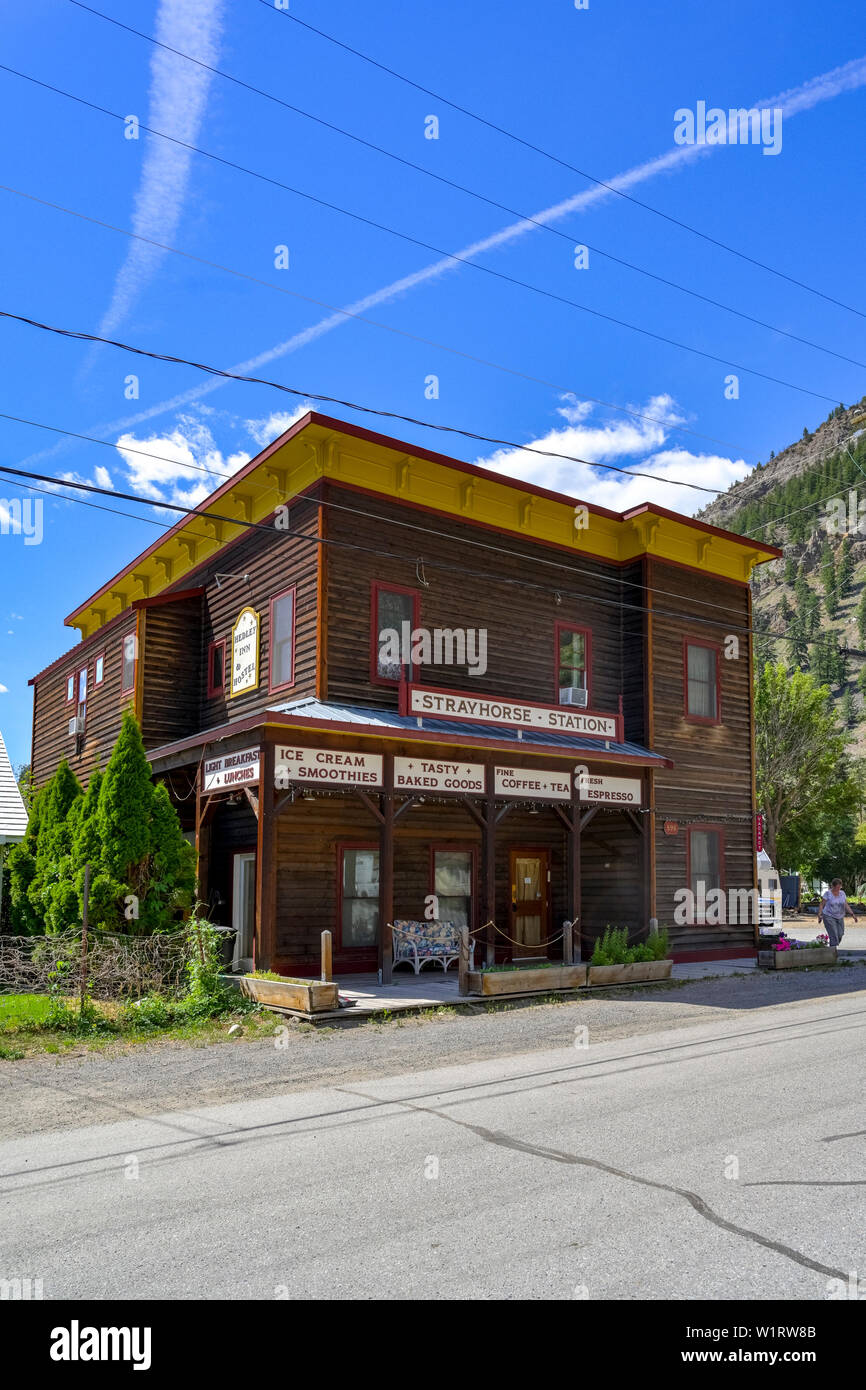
{"type": "Point", "coordinates": [418, 942]}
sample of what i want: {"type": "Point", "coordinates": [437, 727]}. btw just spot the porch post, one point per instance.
{"type": "Point", "coordinates": [386, 872]}
{"type": "Point", "coordinates": [646, 847]}
{"type": "Point", "coordinates": [202, 837]}
{"type": "Point", "coordinates": [266, 864]}
{"type": "Point", "coordinates": [488, 847]}
{"type": "Point", "coordinates": [574, 875]}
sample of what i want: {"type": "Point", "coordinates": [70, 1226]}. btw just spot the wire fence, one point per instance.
{"type": "Point", "coordinates": [112, 966]}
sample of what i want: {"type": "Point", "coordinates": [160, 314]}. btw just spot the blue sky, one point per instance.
{"type": "Point", "coordinates": [598, 87]}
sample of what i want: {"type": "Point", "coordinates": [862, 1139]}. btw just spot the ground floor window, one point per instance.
{"type": "Point", "coordinates": [359, 907]}
{"type": "Point", "coordinates": [453, 875]}
{"type": "Point", "coordinates": [705, 864]}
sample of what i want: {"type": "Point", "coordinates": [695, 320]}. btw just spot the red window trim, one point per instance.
{"type": "Point", "coordinates": [213, 690]}
{"type": "Point", "coordinates": [341, 847]}
{"type": "Point", "coordinates": [720, 831]}
{"type": "Point", "coordinates": [128, 689]}
{"type": "Point", "coordinates": [458, 847]}
{"type": "Point", "coordinates": [96, 658]}
{"type": "Point", "coordinates": [73, 677]}
{"type": "Point", "coordinates": [715, 647]}
{"type": "Point", "coordinates": [375, 587]}
{"type": "Point", "coordinates": [586, 633]}
{"type": "Point", "coordinates": [284, 685]}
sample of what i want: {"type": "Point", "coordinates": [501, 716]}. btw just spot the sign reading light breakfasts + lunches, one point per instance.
{"type": "Point", "coordinates": [431, 703]}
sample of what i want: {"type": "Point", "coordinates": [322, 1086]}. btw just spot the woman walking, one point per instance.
{"type": "Point", "coordinates": [834, 910]}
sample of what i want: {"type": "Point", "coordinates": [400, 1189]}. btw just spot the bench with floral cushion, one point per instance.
{"type": "Point", "coordinates": [417, 942]}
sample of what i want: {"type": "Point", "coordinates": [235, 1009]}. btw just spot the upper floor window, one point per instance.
{"type": "Point", "coordinates": [216, 668]}
{"type": "Point", "coordinates": [127, 678]}
{"type": "Point", "coordinates": [701, 679]}
{"type": "Point", "coordinates": [282, 669]}
{"type": "Point", "coordinates": [70, 689]}
{"type": "Point", "coordinates": [99, 669]}
{"type": "Point", "coordinates": [394, 615]}
{"type": "Point", "coordinates": [572, 664]}
{"type": "Point", "coordinates": [82, 685]}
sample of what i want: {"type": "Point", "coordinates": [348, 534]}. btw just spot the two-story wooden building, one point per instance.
{"type": "Point", "coordinates": [370, 674]}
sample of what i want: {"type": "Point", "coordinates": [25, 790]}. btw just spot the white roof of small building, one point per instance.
{"type": "Point", "coordinates": [13, 813]}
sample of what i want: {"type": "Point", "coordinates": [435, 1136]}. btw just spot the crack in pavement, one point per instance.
{"type": "Point", "coordinates": [507, 1141]}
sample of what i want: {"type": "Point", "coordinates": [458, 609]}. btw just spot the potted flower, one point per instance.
{"type": "Point", "coordinates": [783, 952]}
{"type": "Point", "coordinates": [289, 991]}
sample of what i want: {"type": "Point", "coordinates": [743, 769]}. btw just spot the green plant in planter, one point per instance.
{"type": "Point", "coordinates": [612, 948]}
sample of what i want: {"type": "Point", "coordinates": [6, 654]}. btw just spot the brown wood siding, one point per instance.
{"type": "Point", "coordinates": [171, 664]}
{"type": "Point", "coordinates": [711, 782]}
{"type": "Point", "coordinates": [273, 561]}
{"type": "Point", "coordinates": [105, 708]}
{"type": "Point", "coordinates": [520, 619]}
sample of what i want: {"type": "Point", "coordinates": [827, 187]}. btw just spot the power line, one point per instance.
{"type": "Point", "coordinates": [363, 318]}
{"type": "Point", "coordinates": [81, 336]}
{"type": "Point", "coordinates": [462, 188]}
{"type": "Point", "coordinates": [92, 488]}
{"type": "Point", "coordinates": [425, 245]}
{"type": "Point", "coordinates": [425, 529]}
{"type": "Point", "coordinates": [547, 154]}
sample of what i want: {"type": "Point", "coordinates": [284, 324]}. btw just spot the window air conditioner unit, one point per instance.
{"type": "Point", "coordinates": [572, 695]}
{"type": "Point", "coordinates": [73, 726]}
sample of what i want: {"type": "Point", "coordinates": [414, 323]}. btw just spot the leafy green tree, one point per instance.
{"type": "Point", "coordinates": [831, 604]}
{"type": "Point", "coordinates": [790, 570]}
{"type": "Point", "coordinates": [803, 782]}
{"type": "Point", "coordinates": [847, 711]}
{"type": "Point", "coordinates": [861, 616]}
{"type": "Point", "coordinates": [21, 868]}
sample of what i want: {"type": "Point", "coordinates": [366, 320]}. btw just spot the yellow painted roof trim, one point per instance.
{"type": "Point", "coordinates": [319, 447]}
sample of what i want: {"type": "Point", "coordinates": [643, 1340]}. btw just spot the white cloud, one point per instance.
{"type": "Point", "coordinates": [633, 444]}
{"type": "Point", "coordinates": [176, 103]}
{"type": "Point", "coordinates": [4, 690]}
{"type": "Point", "coordinates": [169, 466]}
{"type": "Point", "coordinates": [102, 477]}
{"type": "Point", "coordinates": [272, 426]}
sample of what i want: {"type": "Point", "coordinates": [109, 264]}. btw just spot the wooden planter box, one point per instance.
{"type": "Point", "coordinates": [311, 997]}
{"type": "Point", "coordinates": [525, 981]}
{"type": "Point", "coordinates": [797, 960]}
{"type": "Point", "coordinates": [635, 974]}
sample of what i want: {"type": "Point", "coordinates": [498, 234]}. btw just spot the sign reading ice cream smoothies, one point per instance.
{"type": "Point", "coordinates": [336, 767]}
{"type": "Point", "coordinates": [245, 652]}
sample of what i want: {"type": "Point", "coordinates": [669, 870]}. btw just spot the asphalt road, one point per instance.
{"type": "Point", "coordinates": [721, 1160]}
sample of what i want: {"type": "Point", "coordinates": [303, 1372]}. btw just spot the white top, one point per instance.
{"type": "Point", "coordinates": [834, 903]}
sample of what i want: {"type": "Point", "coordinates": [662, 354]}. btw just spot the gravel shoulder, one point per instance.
{"type": "Point", "coordinates": [49, 1093]}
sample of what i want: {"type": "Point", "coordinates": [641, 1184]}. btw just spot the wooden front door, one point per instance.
{"type": "Point", "coordinates": [530, 902]}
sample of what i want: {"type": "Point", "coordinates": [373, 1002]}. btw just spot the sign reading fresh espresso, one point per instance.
{"type": "Point", "coordinates": [532, 783]}
{"type": "Point", "coordinates": [231, 770]}
{"type": "Point", "coordinates": [327, 765]}
{"type": "Point", "coordinates": [245, 652]}
{"type": "Point", "coordinates": [420, 774]}
{"type": "Point", "coordinates": [619, 791]}
{"type": "Point", "coordinates": [521, 714]}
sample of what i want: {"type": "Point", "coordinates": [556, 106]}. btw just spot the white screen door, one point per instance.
{"type": "Point", "coordinates": [244, 909]}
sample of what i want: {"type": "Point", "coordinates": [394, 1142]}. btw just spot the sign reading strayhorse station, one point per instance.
{"type": "Point", "coordinates": [480, 709]}
{"type": "Point", "coordinates": [533, 783]}
{"type": "Point", "coordinates": [422, 774]}
{"type": "Point", "coordinates": [327, 765]}
{"type": "Point", "coordinates": [231, 770]}
{"type": "Point", "coordinates": [619, 791]}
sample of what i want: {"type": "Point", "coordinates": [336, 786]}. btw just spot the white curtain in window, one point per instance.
{"type": "Point", "coordinates": [701, 662]}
